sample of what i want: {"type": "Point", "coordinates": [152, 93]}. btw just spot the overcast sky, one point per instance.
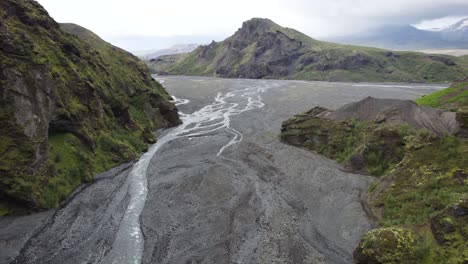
{"type": "Point", "coordinates": [153, 24]}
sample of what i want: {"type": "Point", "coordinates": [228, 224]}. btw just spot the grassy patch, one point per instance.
{"type": "Point", "coordinates": [74, 162]}
{"type": "Point", "coordinates": [452, 97]}
{"type": "Point", "coordinates": [360, 145]}
{"type": "Point", "coordinates": [421, 188]}
{"type": "Point", "coordinates": [72, 165]}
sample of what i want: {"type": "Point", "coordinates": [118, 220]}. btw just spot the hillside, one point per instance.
{"type": "Point", "coordinates": [420, 157]}
{"type": "Point", "coordinates": [70, 107]}
{"type": "Point", "coordinates": [263, 49]}
{"type": "Point", "coordinates": [161, 63]}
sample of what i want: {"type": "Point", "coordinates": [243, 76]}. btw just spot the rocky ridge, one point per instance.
{"type": "Point", "coordinates": [263, 49]}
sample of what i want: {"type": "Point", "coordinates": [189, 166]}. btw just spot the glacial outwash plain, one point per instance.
{"type": "Point", "coordinates": [267, 147]}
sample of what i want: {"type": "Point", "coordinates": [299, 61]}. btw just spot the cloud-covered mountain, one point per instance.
{"type": "Point", "coordinates": [407, 37]}
{"type": "Point", "coordinates": [457, 32]}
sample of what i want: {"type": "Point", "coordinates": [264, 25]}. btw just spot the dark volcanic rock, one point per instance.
{"type": "Point", "coordinates": [271, 51]}
{"type": "Point", "coordinates": [263, 49]}
{"type": "Point", "coordinates": [169, 111]}
{"type": "Point", "coordinates": [394, 111]}
{"type": "Point", "coordinates": [452, 219]}
{"type": "Point", "coordinates": [352, 62]}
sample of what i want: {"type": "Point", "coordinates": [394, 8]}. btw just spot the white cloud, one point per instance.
{"type": "Point", "coordinates": [114, 19]}
{"type": "Point", "coordinates": [438, 23]}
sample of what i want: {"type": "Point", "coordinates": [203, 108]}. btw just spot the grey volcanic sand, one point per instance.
{"type": "Point", "coordinates": [223, 189]}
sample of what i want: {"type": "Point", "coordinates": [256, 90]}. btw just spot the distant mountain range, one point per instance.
{"type": "Point", "coordinates": [263, 49]}
{"type": "Point", "coordinates": [408, 37]}
{"type": "Point", "coordinates": [176, 49]}
{"type": "Point", "coordinates": [457, 32]}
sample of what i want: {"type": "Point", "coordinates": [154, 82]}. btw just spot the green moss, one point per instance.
{"type": "Point", "coordinates": [390, 246]}
{"type": "Point", "coordinates": [441, 239]}
{"type": "Point", "coordinates": [453, 97]}
{"type": "Point", "coordinates": [98, 92]}
{"type": "Point", "coordinates": [360, 145]}
{"type": "Point", "coordinates": [74, 162]}
{"type": "Point", "coordinates": [421, 188]}
{"type": "Point", "coordinates": [116, 148]}
{"type": "Point", "coordinates": [17, 152]}
{"type": "Point", "coordinates": [4, 209]}
{"type": "Point", "coordinates": [248, 54]}
{"type": "Point", "coordinates": [72, 165]}
{"type": "Point", "coordinates": [312, 60]}
{"type": "Point", "coordinates": [417, 198]}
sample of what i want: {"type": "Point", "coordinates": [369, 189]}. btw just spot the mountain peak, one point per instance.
{"type": "Point", "coordinates": [259, 21]}
{"type": "Point", "coordinates": [457, 32]}
{"type": "Point", "coordinates": [256, 24]}
{"type": "Point", "coordinates": [461, 25]}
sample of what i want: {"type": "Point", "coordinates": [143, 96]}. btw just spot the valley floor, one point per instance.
{"type": "Point", "coordinates": [223, 189]}
{"type": "Point", "coordinates": [451, 52]}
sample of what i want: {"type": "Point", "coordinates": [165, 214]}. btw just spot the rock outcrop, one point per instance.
{"type": "Point", "coordinates": [388, 245]}
{"type": "Point", "coordinates": [364, 133]}
{"type": "Point", "coordinates": [69, 107]}
{"type": "Point", "coordinates": [263, 49]}
{"type": "Point", "coordinates": [420, 155]}
{"type": "Point", "coordinates": [393, 111]}
{"type": "Point", "coordinates": [444, 230]}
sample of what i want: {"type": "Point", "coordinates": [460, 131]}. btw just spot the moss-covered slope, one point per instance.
{"type": "Point", "coordinates": [69, 107]}
{"type": "Point", "coordinates": [263, 49]}
{"type": "Point", "coordinates": [453, 97]}
{"type": "Point", "coordinates": [420, 197]}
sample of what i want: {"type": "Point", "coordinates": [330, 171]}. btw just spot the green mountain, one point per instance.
{"type": "Point", "coordinates": [71, 105]}
{"type": "Point", "coordinates": [419, 156]}
{"type": "Point", "coordinates": [263, 49]}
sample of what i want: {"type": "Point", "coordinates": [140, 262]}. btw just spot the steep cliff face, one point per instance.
{"type": "Point", "coordinates": [69, 107]}
{"type": "Point", "coordinates": [263, 49]}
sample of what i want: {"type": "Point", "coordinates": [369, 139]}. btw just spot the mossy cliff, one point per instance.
{"type": "Point", "coordinates": [419, 198]}
{"type": "Point", "coordinates": [263, 49]}
{"type": "Point", "coordinates": [70, 106]}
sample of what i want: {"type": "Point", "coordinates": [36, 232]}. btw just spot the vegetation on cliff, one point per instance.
{"type": "Point", "coordinates": [71, 104]}
{"type": "Point", "coordinates": [451, 98]}
{"type": "Point", "coordinates": [263, 49]}
{"type": "Point", "coordinates": [420, 197]}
